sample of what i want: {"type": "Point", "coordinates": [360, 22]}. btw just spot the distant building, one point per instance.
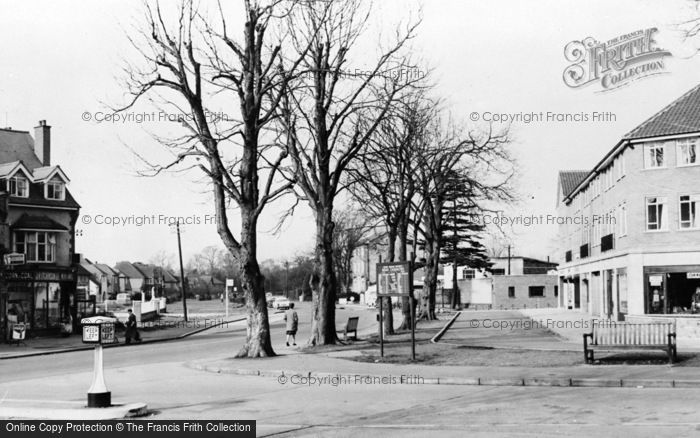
{"type": "Point", "coordinates": [365, 259]}
{"type": "Point", "coordinates": [131, 279]}
{"type": "Point", "coordinates": [205, 285]}
{"type": "Point", "coordinates": [513, 282]}
{"type": "Point", "coordinates": [630, 247]}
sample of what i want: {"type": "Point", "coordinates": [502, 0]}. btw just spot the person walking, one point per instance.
{"type": "Point", "coordinates": [292, 323]}
{"type": "Point", "coordinates": [131, 329]}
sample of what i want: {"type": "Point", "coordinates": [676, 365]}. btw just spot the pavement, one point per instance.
{"type": "Point", "coordinates": [168, 328]}
{"type": "Point", "coordinates": [492, 329]}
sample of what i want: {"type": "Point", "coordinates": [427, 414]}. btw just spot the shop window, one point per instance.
{"type": "Point", "coordinates": [689, 210]}
{"type": "Point", "coordinates": [535, 291]}
{"type": "Point", "coordinates": [37, 246]}
{"type": "Point", "coordinates": [657, 214]}
{"type": "Point", "coordinates": [511, 291]}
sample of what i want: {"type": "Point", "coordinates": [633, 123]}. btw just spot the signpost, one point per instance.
{"type": "Point", "coordinates": [99, 330]}
{"type": "Point", "coordinates": [396, 280]}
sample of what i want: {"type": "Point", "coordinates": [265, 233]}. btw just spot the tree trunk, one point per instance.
{"type": "Point", "coordinates": [388, 310]}
{"type": "Point", "coordinates": [456, 298]}
{"type": "Point", "coordinates": [257, 343]}
{"type": "Point", "coordinates": [403, 256]}
{"type": "Point", "coordinates": [427, 299]}
{"type": "Point", "coordinates": [323, 282]}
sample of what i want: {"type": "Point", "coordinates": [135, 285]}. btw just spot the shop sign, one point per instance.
{"type": "Point", "coordinates": [38, 276]}
{"type": "Point", "coordinates": [19, 332]}
{"type": "Point", "coordinates": [14, 259]}
{"type": "Point", "coordinates": [655, 280]}
{"type": "Point", "coordinates": [693, 275]}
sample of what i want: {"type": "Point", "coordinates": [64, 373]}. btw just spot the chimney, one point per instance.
{"type": "Point", "coordinates": [42, 143]}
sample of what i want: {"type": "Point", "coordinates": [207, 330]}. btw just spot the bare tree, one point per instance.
{"type": "Point", "coordinates": [209, 259]}
{"type": "Point", "coordinates": [330, 114]}
{"type": "Point", "coordinates": [163, 259]}
{"type": "Point", "coordinates": [193, 64]}
{"type": "Point", "coordinates": [384, 179]}
{"type": "Point", "coordinates": [478, 158]}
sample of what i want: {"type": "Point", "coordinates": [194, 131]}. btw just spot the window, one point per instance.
{"type": "Point", "coordinates": [468, 273]}
{"type": "Point", "coordinates": [511, 291]}
{"type": "Point", "coordinates": [55, 190]}
{"type": "Point", "coordinates": [556, 291]}
{"type": "Point", "coordinates": [689, 212]}
{"type": "Point", "coordinates": [535, 291]}
{"type": "Point", "coordinates": [654, 156]}
{"type": "Point", "coordinates": [37, 246]}
{"type": "Point", "coordinates": [18, 186]}
{"type": "Point", "coordinates": [687, 152]}
{"type": "Point", "coordinates": [657, 214]}
{"type": "Point", "coordinates": [498, 271]}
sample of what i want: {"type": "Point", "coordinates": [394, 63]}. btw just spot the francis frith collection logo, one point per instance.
{"type": "Point", "coordinates": [614, 63]}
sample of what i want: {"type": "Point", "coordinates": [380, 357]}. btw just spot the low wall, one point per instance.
{"type": "Point", "coordinates": [148, 310]}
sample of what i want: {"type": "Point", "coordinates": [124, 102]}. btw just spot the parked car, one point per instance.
{"type": "Point", "coordinates": [280, 303]}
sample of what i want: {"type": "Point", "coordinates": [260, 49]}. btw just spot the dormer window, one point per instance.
{"type": "Point", "coordinates": [55, 190]}
{"type": "Point", "coordinates": [18, 186]}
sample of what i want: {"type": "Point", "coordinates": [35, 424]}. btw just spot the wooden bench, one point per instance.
{"type": "Point", "coordinates": [610, 336]}
{"type": "Point", "coordinates": [351, 327]}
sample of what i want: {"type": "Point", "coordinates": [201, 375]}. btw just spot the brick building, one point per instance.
{"type": "Point", "coordinates": [630, 247]}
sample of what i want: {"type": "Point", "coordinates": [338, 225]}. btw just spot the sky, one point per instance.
{"type": "Point", "coordinates": [61, 60]}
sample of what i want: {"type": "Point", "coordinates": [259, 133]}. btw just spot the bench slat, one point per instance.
{"type": "Point", "coordinates": [611, 333]}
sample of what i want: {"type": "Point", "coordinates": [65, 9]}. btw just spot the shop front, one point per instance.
{"type": "Point", "coordinates": [672, 290]}
{"type": "Point", "coordinates": [41, 299]}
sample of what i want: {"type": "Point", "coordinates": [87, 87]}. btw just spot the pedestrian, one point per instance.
{"type": "Point", "coordinates": [131, 330]}
{"type": "Point", "coordinates": [292, 322]}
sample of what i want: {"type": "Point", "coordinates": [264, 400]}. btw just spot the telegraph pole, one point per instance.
{"type": "Point", "coordinates": [508, 259]}
{"type": "Point", "coordinates": [182, 271]}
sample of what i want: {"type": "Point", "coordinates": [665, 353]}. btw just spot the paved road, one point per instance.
{"type": "Point", "coordinates": [218, 342]}
{"type": "Point", "coordinates": [155, 374]}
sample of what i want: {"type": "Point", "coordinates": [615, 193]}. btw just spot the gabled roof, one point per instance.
{"type": "Point", "coordinates": [18, 146]}
{"type": "Point", "coordinates": [42, 174]}
{"type": "Point", "coordinates": [129, 270]}
{"type": "Point", "coordinates": [105, 269]}
{"type": "Point", "coordinates": [168, 277]}
{"type": "Point", "coordinates": [682, 116]}
{"type": "Point", "coordinates": [570, 179]}
{"type": "Point", "coordinates": [9, 169]}
{"type": "Point", "coordinates": [28, 222]}
{"type": "Point", "coordinates": [147, 270]}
